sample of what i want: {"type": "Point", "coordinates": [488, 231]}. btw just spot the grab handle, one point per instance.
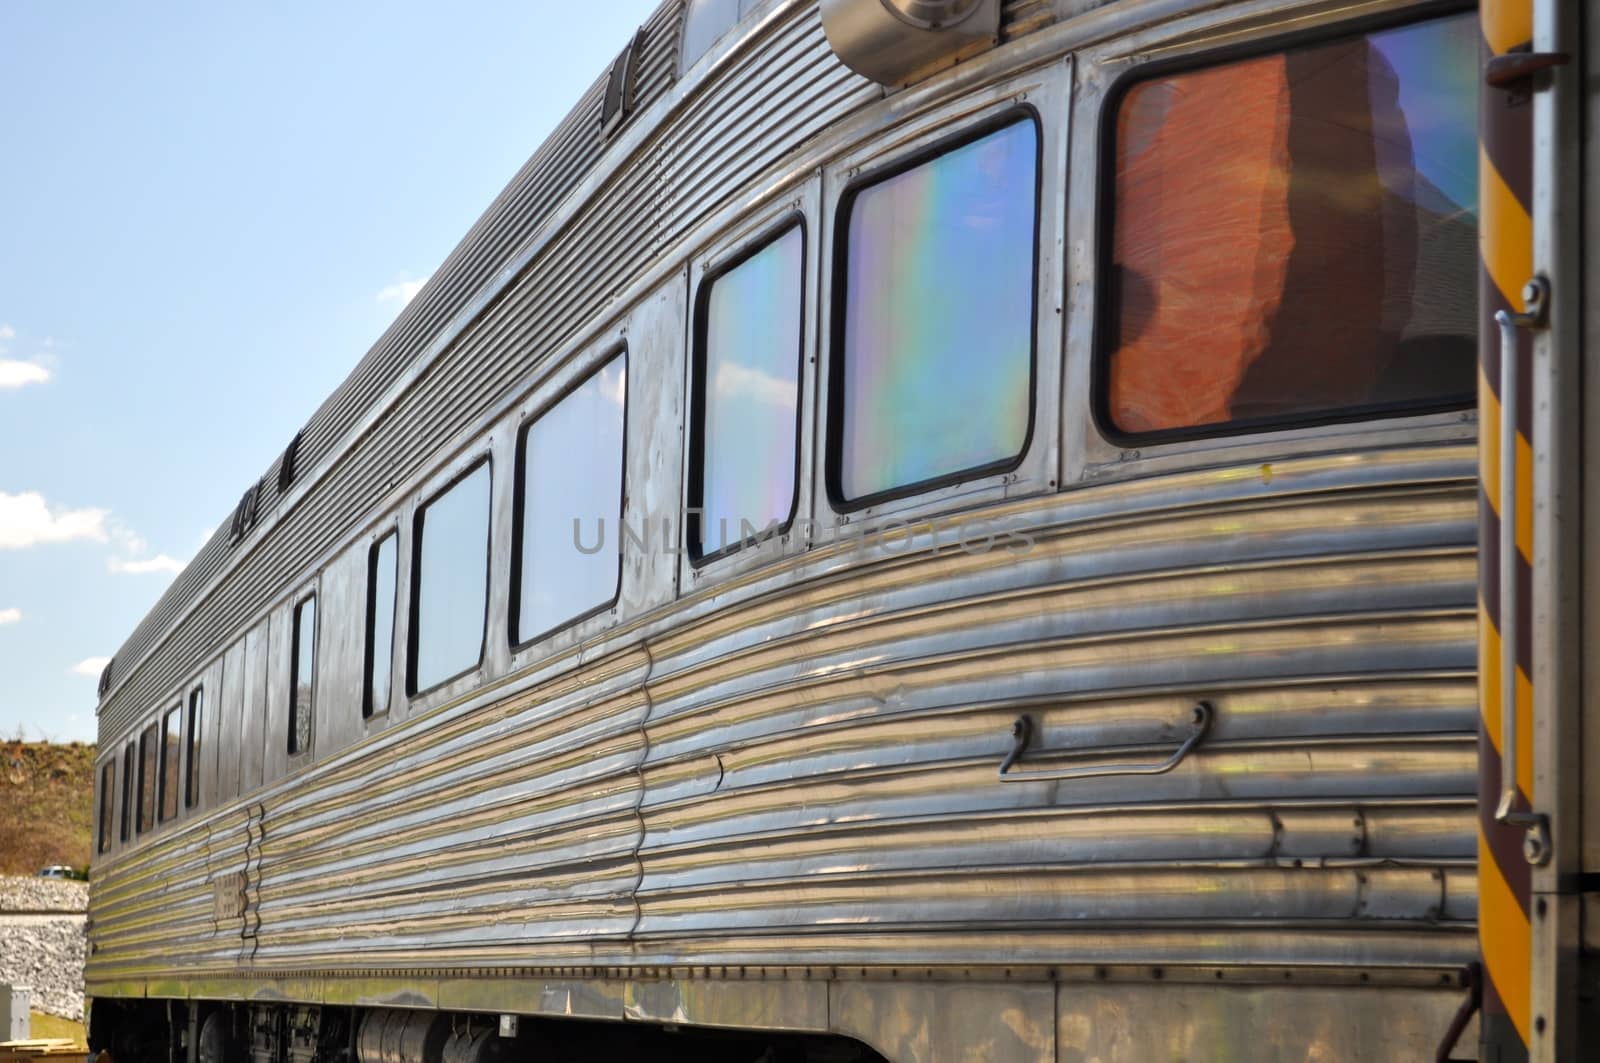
{"type": "Point", "coordinates": [1536, 825]}
{"type": "Point", "coordinates": [1022, 734]}
{"type": "Point", "coordinates": [1509, 558]}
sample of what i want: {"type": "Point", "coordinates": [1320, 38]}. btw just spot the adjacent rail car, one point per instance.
{"type": "Point", "coordinates": [916, 530]}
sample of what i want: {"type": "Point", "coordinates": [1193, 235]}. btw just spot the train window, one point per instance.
{"type": "Point", "coordinates": [303, 675]}
{"type": "Point", "coordinates": [129, 767]}
{"type": "Point", "coordinates": [149, 767]}
{"type": "Point", "coordinates": [191, 789]}
{"type": "Point", "coordinates": [1294, 236]}
{"type": "Point", "coordinates": [567, 560]}
{"type": "Point", "coordinates": [745, 423]}
{"type": "Point", "coordinates": [108, 802]}
{"type": "Point", "coordinates": [932, 372]}
{"type": "Point", "coordinates": [382, 572]}
{"type": "Point", "coordinates": [171, 749]}
{"type": "Point", "coordinates": [450, 582]}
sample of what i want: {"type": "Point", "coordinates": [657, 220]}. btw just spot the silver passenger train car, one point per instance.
{"type": "Point", "coordinates": [913, 530]}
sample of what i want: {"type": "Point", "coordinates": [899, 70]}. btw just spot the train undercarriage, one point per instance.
{"type": "Point", "coordinates": [177, 1031]}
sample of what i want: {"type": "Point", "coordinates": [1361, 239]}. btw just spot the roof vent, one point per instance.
{"type": "Point", "coordinates": [897, 42]}
{"type": "Point", "coordinates": [286, 467]}
{"type": "Point", "coordinates": [621, 86]}
{"type": "Point", "coordinates": [244, 514]}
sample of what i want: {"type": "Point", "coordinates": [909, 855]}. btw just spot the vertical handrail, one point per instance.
{"type": "Point", "coordinates": [1508, 561]}
{"type": "Point", "coordinates": [1508, 565]}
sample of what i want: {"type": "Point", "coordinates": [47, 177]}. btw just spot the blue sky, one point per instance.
{"type": "Point", "coordinates": [208, 213]}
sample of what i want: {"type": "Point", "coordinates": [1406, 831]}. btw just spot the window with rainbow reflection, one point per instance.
{"type": "Point", "coordinates": [745, 427]}
{"type": "Point", "coordinates": [932, 373]}
{"type": "Point", "coordinates": [1294, 236]}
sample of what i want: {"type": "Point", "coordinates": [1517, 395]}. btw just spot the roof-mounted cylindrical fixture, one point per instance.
{"type": "Point", "coordinates": [896, 42]}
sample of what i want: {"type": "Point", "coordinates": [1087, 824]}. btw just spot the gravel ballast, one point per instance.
{"type": "Point", "coordinates": [44, 949]}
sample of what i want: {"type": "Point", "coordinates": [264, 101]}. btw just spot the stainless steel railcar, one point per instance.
{"type": "Point", "coordinates": [911, 530]}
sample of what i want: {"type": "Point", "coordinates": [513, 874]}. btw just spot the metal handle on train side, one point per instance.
{"type": "Point", "coordinates": [1022, 733]}
{"type": "Point", "coordinates": [1508, 564]}
{"type": "Point", "coordinates": [1536, 844]}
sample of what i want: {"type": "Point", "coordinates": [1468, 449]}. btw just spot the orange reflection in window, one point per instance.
{"type": "Point", "coordinates": [1202, 239]}
{"type": "Point", "coordinates": [1292, 235]}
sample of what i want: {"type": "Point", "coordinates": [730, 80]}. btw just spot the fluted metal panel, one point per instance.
{"type": "Point", "coordinates": [807, 774]}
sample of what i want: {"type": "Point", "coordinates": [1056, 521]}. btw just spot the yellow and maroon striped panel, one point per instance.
{"type": "Point", "coordinates": [1506, 228]}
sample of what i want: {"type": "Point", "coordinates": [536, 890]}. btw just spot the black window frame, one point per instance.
{"type": "Point", "coordinates": [106, 820]}
{"type": "Point", "coordinates": [374, 550]}
{"type": "Point", "coordinates": [414, 602]}
{"type": "Point", "coordinates": [1103, 328]}
{"type": "Point", "coordinates": [168, 742]}
{"type": "Point", "coordinates": [152, 733]}
{"type": "Point", "coordinates": [194, 740]}
{"type": "Point", "coordinates": [833, 444]}
{"type": "Point", "coordinates": [130, 767]}
{"type": "Point", "coordinates": [295, 620]}
{"type": "Point", "coordinates": [695, 469]}
{"type": "Point", "coordinates": [514, 595]}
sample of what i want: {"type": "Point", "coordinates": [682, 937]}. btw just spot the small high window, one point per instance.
{"type": "Point", "coordinates": [1294, 237]}
{"type": "Point", "coordinates": [745, 415]}
{"type": "Point", "coordinates": [191, 789]}
{"type": "Point", "coordinates": [130, 769]}
{"type": "Point", "coordinates": [932, 371]}
{"type": "Point", "coordinates": [567, 561]}
{"type": "Point", "coordinates": [450, 582]}
{"type": "Point", "coordinates": [171, 751]}
{"type": "Point", "coordinates": [108, 803]}
{"type": "Point", "coordinates": [303, 675]}
{"type": "Point", "coordinates": [149, 770]}
{"type": "Point", "coordinates": [382, 573]}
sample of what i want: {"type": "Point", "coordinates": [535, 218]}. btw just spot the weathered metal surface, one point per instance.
{"type": "Point", "coordinates": [789, 759]}
{"type": "Point", "coordinates": [1136, 1024]}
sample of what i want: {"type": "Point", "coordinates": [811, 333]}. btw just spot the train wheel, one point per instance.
{"type": "Point", "coordinates": [213, 1040]}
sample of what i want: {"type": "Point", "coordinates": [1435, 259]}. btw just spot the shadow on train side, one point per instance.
{"type": "Point", "coordinates": [157, 1031]}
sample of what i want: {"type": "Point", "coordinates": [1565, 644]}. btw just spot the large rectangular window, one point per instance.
{"type": "Point", "coordinates": [382, 573]}
{"type": "Point", "coordinates": [1294, 236]}
{"type": "Point", "coordinates": [149, 768]}
{"type": "Point", "coordinates": [108, 803]}
{"type": "Point", "coordinates": [171, 751]}
{"type": "Point", "coordinates": [568, 556]}
{"type": "Point", "coordinates": [745, 422]}
{"type": "Point", "coordinates": [450, 582]}
{"type": "Point", "coordinates": [303, 675]}
{"type": "Point", "coordinates": [932, 371]}
{"type": "Point", "coordinates": [191, 788]}
{"type": "Point", "coordinates": [130, 792]}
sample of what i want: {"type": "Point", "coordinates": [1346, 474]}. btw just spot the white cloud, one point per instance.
{"type": "Point", "coordinates": [744, 384]}
{"type": "Point", "coordinates": [402, 292]}
{"type": "Point", "coordinates": [91, 666]}
{"type": "Point", "coordinates": [27, 520]}
{"type": "Point", "coordinates": [10, 616]}
{"type": "Point", "coordinates": [159, 563]}
{"type": "Point", "coordinates": [127, 540]}
{"type": "Point", "coordinates": [14, 374]}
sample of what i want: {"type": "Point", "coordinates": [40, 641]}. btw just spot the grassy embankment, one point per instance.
{"type": "Point", "coordinates": [46, 805]}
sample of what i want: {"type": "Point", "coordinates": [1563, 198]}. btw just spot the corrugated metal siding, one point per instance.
{"type": "Point", "coordinates": [808, 774]}
{"type": "Point", "coordinates": [528, 202]}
